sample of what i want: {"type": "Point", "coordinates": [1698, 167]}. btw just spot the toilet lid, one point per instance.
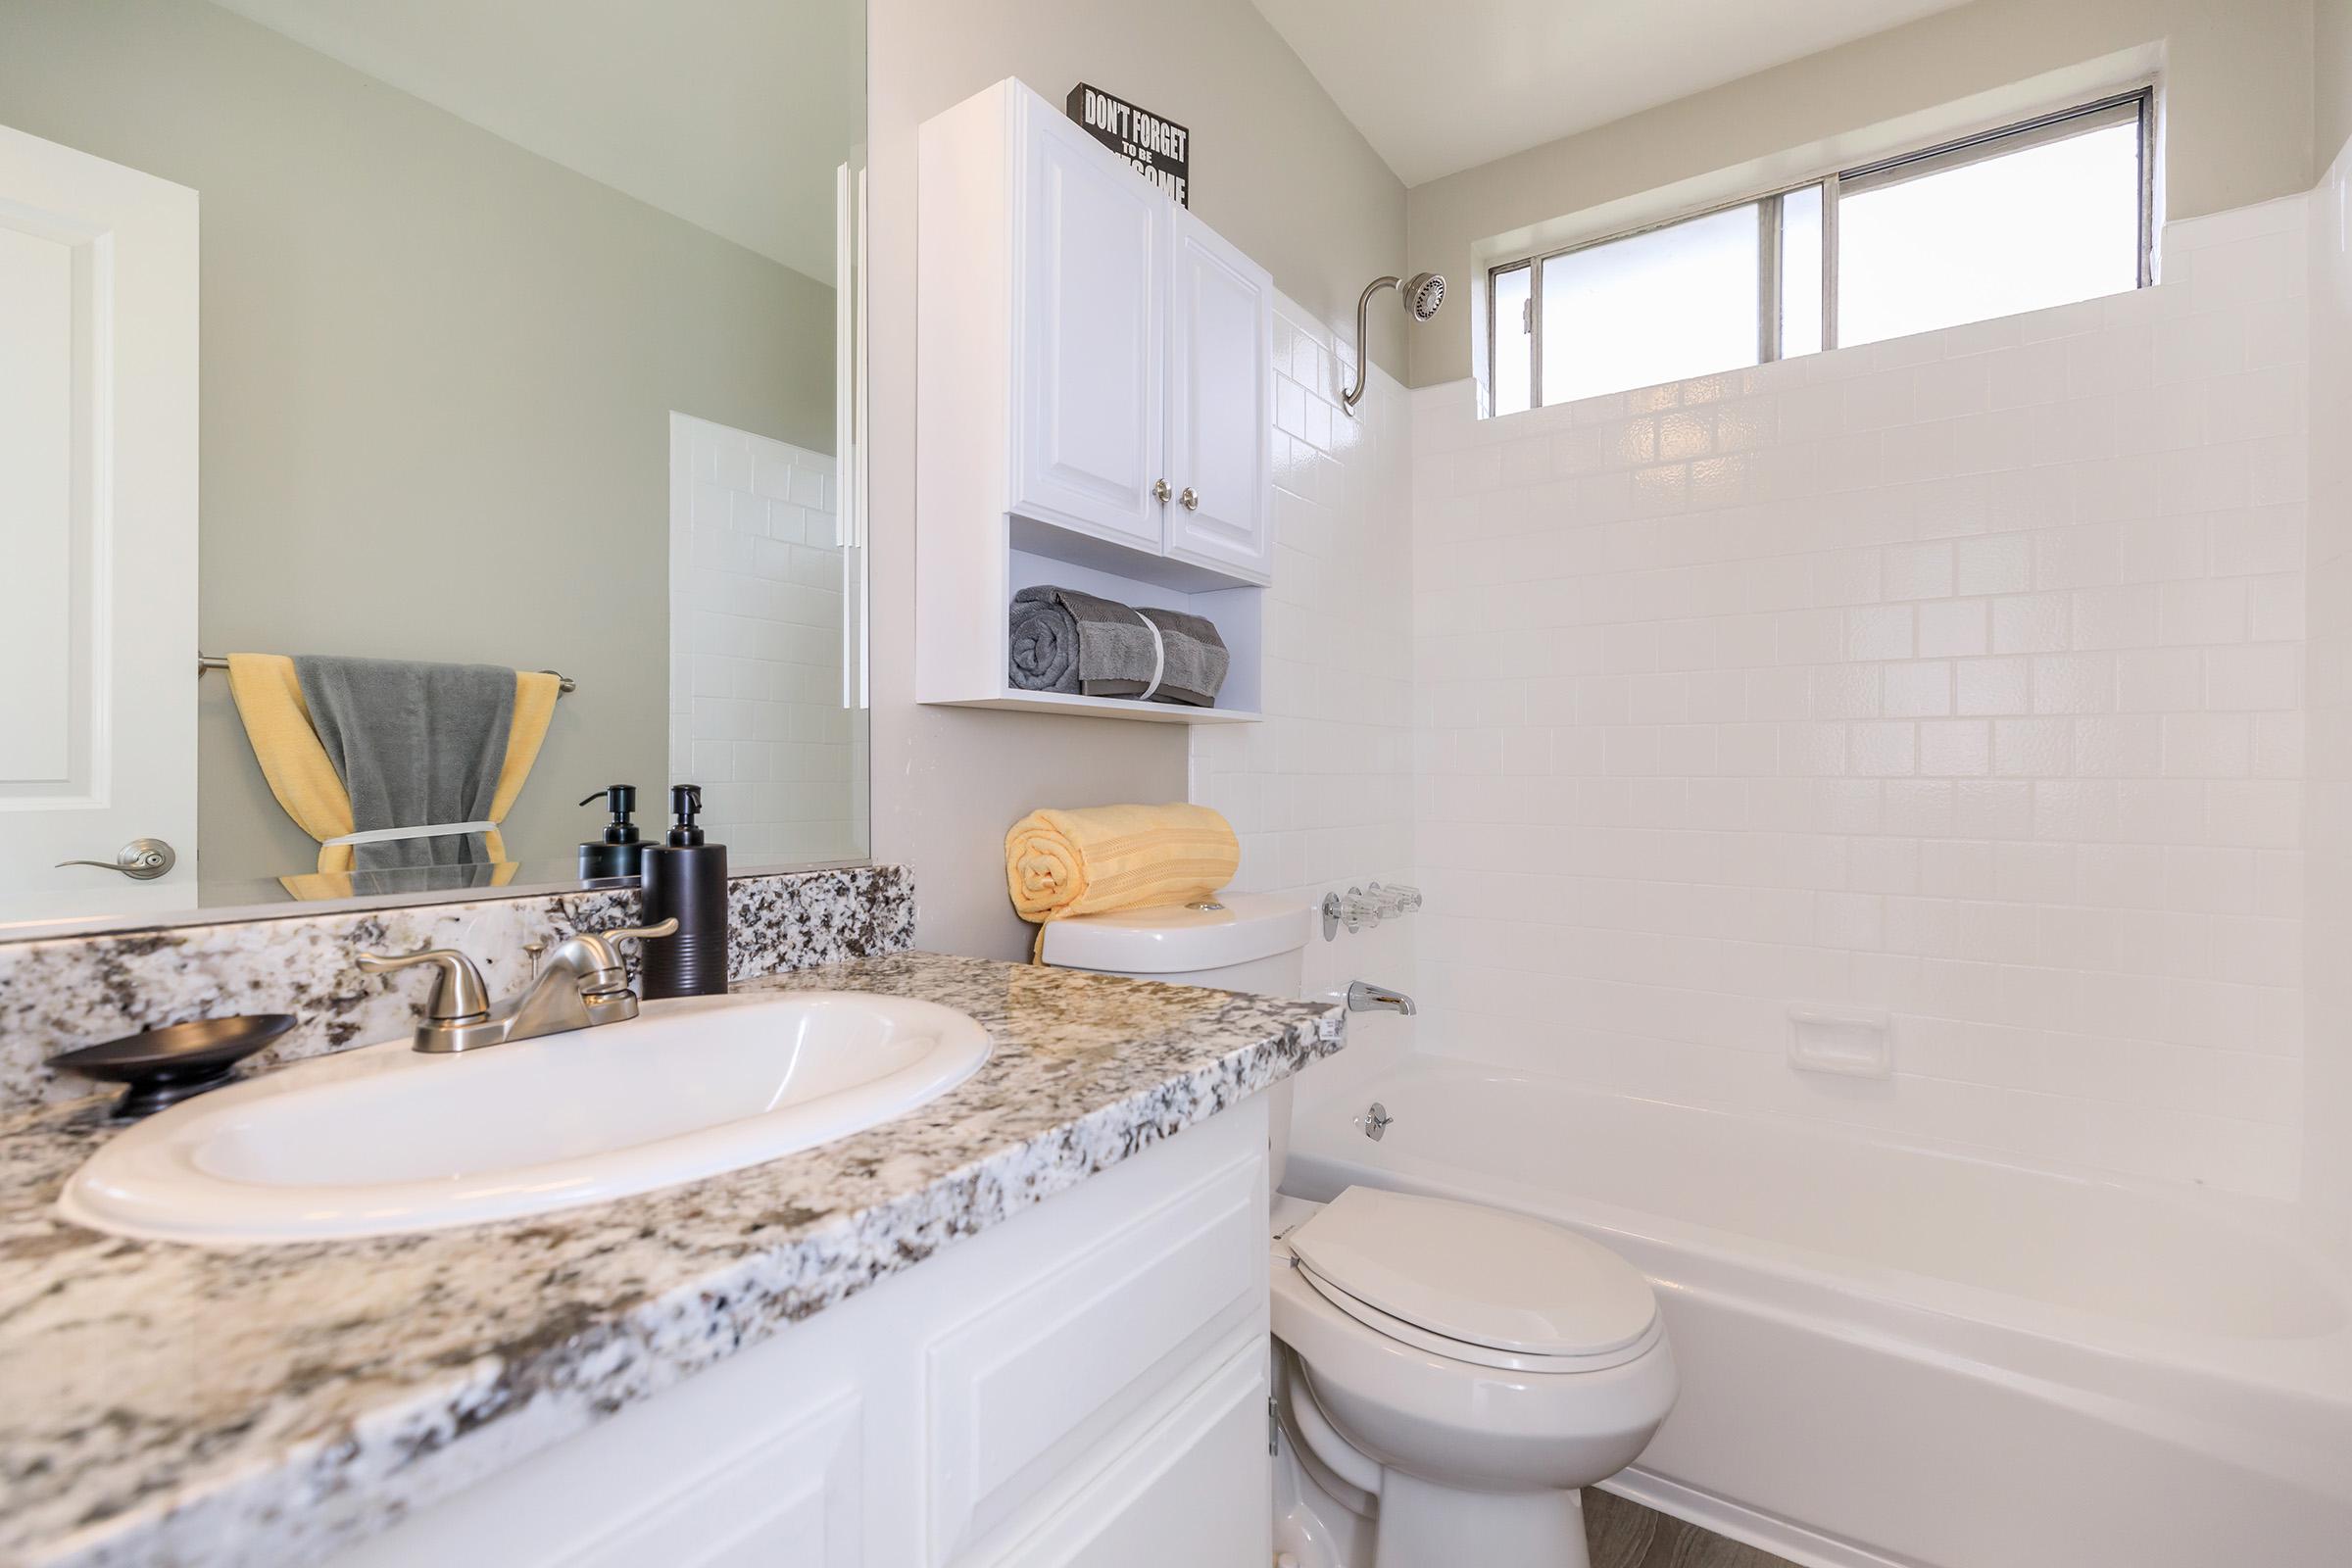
{"type": "Point", "coordinates": [1477, 1275]}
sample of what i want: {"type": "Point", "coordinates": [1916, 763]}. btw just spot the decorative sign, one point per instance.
{"type": "Point", "coordinates": [1161, 150]}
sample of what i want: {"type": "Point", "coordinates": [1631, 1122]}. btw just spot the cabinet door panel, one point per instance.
{"type": "Point", "coordinates": [1089, 342]}
{"type": "Point", "coordinates": [1194, 1491]}
{"type": "Point", "coordinates": [1028, 1388]}
{"type": "Point", "coordinates": [745, 1464]}
{"type": "Point", "coordinates": [1221, 413]}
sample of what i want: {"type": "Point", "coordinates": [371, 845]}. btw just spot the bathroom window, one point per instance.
{"type": "Point", "coordinates": [2055, 210]}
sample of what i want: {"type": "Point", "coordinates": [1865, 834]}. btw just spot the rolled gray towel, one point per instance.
{"type": "Point", "coordinates": [1067, 641]}
{"type": "Point", "coordinates": [1194, 661]}
{"type": "Point", "coordinates": [1044, 653]}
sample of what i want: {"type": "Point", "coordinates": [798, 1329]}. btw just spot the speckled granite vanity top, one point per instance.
{"type": "Point", "coordinates": [163, 1405]}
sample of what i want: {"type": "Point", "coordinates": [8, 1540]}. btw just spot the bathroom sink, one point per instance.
{"type": "Point", "coordinates": [383, 1139]}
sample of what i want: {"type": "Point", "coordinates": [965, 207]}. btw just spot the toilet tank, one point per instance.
{"type": "Point", "coordinates": [1234, 942]}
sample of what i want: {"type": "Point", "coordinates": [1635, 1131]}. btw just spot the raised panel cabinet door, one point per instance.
{"type": "Point", "coordinates": [1088, 336]}
{"type": "Point", "coordinates": [98, 430]}
{"type": "Point", "coordinates": [1221, 406]}
{"type": "Point", "coordinates": [1194, 1491]}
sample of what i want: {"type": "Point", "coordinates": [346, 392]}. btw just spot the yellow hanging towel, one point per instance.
{"type": "Point", "coordinates": [1059, 863]}
{"type": "Point", "coordinates": [277, 721]}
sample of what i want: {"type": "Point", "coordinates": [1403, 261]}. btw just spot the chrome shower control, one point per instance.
{"type": "Point", "coordinates": [1375, 1123]}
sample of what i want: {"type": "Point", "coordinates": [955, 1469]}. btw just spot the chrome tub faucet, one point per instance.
{"type": "Point", "coordinates": [1364, 997]}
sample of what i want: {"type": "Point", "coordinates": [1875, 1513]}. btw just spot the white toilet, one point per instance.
{"type": "Point", "coordinates": [1450, 1374]}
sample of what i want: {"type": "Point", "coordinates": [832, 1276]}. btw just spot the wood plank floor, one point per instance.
{"type": "Point", "coordinates": [1625, 1534]}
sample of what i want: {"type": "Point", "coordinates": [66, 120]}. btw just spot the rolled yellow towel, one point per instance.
{"type": "Point", "coordinates": [1058, 863]}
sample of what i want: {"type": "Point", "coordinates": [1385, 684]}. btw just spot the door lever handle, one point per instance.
{"type": "Point", "coordinates": [141, 860]}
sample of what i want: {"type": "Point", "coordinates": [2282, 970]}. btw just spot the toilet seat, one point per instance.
{"type": "Point", "coordinates": [1476, 1285]}
{"type": "Point", "coordinates": [1486, 1356]}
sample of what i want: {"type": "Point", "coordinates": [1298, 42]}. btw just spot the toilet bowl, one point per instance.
{"type": "Point", "coordinates": [1460, 1372]}
{"type": "Point", "coordinates": [1449, 1375]}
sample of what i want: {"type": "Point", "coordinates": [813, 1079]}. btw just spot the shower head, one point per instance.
{"type": "Point", "coordinates": [1422, 293]}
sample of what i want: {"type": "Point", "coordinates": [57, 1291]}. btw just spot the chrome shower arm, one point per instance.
{"type": "Point", "coordinates": [1364, 322]}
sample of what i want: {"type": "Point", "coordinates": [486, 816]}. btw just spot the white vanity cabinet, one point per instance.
{"type": "Point", "coordinates": [1094, 386]}
{"type": "Point", "coordinates": [1085, 1382]}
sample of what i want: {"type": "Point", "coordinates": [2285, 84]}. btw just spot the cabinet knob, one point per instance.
{"type": "Point", "coordinates": [1160, 491]}
{"type": "Point", "coordinates": [1190, 500]}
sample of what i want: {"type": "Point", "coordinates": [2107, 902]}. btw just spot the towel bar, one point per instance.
{"type": "Point", "coordinates": [564, 682]}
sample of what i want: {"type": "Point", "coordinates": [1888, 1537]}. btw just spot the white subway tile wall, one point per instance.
{"type": "Point", "coordinates": [1321, 791]}
{"type": "Point", "coordinates": [756, 712]}
{"type": "Point", "coordinates": [1959, 676]}
{"type": "Point", "coordinates": [2327, 697]}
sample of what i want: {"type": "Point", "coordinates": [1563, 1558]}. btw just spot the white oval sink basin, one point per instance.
{"type": "Point", "coordinates": [383, 1139]}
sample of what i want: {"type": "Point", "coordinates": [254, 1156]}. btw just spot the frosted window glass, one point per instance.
{"type": "Point", "coordinates": [1658, 307]}
{"type": "Point", "coordinates": [1513, 356]}
{"type": "Point", "coordinates": [2019, 232]}
{"type": "Point", "coordinates": [1800, 272]}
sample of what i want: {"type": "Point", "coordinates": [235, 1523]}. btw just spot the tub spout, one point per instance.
{"type": "Point", "coordinates": [1363, 997]}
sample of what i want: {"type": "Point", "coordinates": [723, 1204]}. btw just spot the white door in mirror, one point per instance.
{"type": "Point", "coordinates": [98, 501]}
{"type": "Point", "coordinates": [382, 1140]}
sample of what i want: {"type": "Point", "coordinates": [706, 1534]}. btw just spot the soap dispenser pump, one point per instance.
{"type": "Point", "coordinates": [686, 878]}
{"type": "Point", "coordinates": [620, 851]}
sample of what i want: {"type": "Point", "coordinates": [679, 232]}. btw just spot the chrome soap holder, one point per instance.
{"type": "Point", "coordinates": [1363, 906]}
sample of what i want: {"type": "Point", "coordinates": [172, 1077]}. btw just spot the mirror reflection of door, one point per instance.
{"type": "Point", "coordinates": [98, 392]}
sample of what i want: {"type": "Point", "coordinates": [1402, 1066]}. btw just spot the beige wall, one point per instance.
{"type": "Point", "coordinates": [1278, 171]}
{"type": "Point", "coordinates": [437, 372]}
{"type": "Point", "coordinates": [2237, 96]}
{"type": "Point", "coordinates": [2332, 86]}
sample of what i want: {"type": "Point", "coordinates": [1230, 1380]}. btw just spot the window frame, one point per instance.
{"type": "Point", "coordinates": [2137, 104]}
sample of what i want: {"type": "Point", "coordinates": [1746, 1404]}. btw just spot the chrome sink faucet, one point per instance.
{"type": "Point", "coordinates": [1363, 997]}
{"type": "Point", "coordinates": [581, 984]}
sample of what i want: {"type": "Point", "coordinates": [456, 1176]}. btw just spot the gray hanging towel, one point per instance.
{"type": "Point", "coordinates": [415, 745]}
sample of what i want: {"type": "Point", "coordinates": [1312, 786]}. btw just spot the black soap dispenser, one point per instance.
{"type": "Point", "coordinates": [687, 878]}
{"type": "Point", "coordinates": [621, 851]}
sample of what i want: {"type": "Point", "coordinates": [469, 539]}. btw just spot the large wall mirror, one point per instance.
{"type": "Point", "coordinates": [421, 415]}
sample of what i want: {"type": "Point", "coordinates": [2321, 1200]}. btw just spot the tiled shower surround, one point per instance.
{"type": "Point", "coordinates": [1960, 675]}
{"type": "Point", "coordinates": [2327, 678]}
{"type": "Point", "coordinates": [756, 612]}
{"type": "Point", "coordinates": [1321, 792]}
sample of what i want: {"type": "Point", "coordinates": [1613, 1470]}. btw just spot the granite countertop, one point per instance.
{"type": "Point", "coordinates": [168, 1404]}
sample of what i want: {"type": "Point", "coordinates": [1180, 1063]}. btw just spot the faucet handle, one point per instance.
{"type": "Point", "coordinates": [593, 952]}
{"type": "Point", "coordinates": [636, 933]}
{"type": "Point", "coordinates": [459, 994]}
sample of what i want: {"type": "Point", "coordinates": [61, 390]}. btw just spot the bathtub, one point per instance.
{"type": "Point", "coordinates": [1893, 1355]}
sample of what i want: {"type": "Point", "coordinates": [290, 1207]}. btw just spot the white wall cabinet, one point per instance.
{"type": "Point", "coordinates": [1084, 1383]}
{"type": "Point", "coordinates": [1095, 391]}
{"type": "Point", "coordinates": [1090, 266]}
{"type": "Point", "coordinates": [1220, 405]}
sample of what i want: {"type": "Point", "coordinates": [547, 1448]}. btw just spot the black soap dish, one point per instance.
{"type": "Point", "coordinates": [165, 1066]}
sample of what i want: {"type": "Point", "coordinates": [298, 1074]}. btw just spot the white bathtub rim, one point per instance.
{"type": "Point", "coordinates": [2278, 1221]}
{"type": "Point", "coordinates": [1926, 1311]}
{"type": "Point", "coordinates": [2070, 1367]}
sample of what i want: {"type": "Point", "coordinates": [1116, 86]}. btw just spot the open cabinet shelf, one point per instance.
{"type": "Point", "coordinates": [1104, 708]}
